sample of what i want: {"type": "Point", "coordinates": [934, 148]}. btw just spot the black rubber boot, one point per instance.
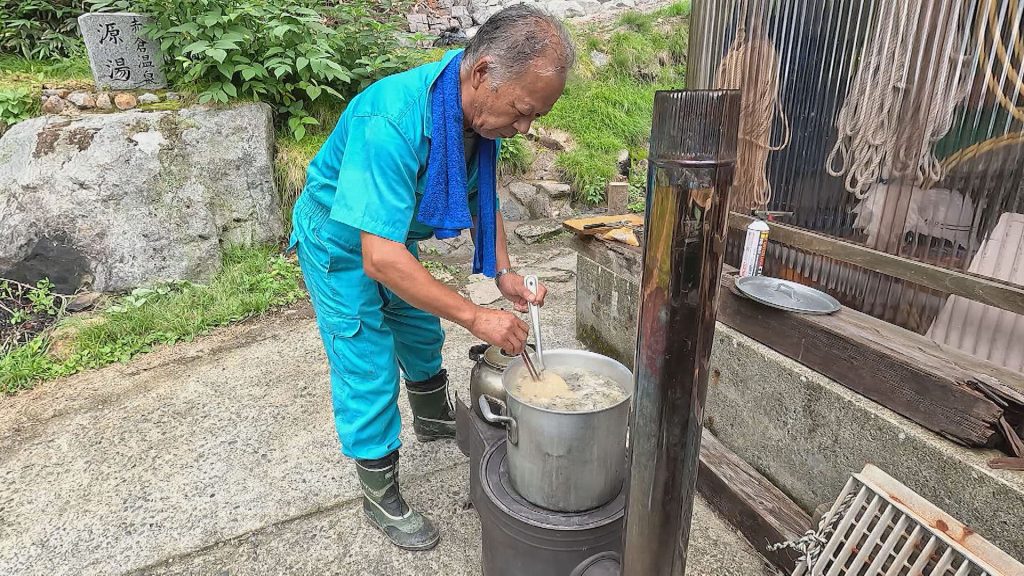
{"type": "Point", "coordinates": [433, 416]}
{"type": "Point", "coordinates": [387, 510]}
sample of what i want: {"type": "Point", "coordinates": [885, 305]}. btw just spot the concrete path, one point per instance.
{"type": "Point", "coordinates": [219, 457]}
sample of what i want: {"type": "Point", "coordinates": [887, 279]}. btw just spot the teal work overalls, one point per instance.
{"type": "Point", "coordinates": [369, 176]}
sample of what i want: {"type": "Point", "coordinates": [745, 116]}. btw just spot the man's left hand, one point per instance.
{"type": "Point", "coordinates": [514, 289]}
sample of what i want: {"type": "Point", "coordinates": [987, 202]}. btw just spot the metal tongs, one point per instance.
{"type": "Point", "coordinates": [530, 367]}
{"type": "Point", "coordinates": [534, 369]}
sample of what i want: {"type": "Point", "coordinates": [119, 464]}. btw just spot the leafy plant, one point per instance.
{"type": "Point", "coordinates": [440, 268]}
{"type": "Point", "coordinates": [18, 317]}
{"type": "Point", "coordinates": [282, 52]}
{"type": "Point", "coordinates": [42, 298]}
{"type": "Point", "coordinates": [637, 188]}
{"type": "Point", "coordinates": [515, 156]}
{"type": "Point", "coordinates": [16, 104]}
{"type": "Point", "coordinates": [40, 29]}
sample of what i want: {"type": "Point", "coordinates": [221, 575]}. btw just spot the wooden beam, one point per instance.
{"type": "Point", "coordinates": [752, 504]}
{"type": "Point", "coordinates": [985, 290]}
{"type": "Point", "coordinates": [863, 354]}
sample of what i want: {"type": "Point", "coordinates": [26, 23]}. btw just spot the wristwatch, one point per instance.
{"type": "Point", "coordinates": [500, 273]}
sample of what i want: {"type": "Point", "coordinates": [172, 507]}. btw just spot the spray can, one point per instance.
{"type": "Point", "coordinates": [754, 249]}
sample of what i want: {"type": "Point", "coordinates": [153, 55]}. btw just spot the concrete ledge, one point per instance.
{"type": "Point", "coordinates": [807, 434]}
{"type": "Point", "coordinates": [801, 430]}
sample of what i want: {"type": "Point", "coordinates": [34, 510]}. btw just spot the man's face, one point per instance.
{"type": "Point", "coordinates": [512, 106]}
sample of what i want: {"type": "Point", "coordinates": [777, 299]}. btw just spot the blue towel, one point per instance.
{"type": "Point", "coordinates": [445, 205]}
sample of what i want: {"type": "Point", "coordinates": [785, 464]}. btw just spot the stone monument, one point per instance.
{"type": "Point", "coordinates": [121, 57]}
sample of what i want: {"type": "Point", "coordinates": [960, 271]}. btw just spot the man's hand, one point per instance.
{"type": "Point", "coordinates": [514, 289]}
{"type": "Point", "coordinates": [500, 328]}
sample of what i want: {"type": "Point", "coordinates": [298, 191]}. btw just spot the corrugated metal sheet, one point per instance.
{"type": "Point", "coordinates": [899, 125]}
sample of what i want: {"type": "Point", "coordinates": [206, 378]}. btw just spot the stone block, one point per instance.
{"type": "Point", "coordinates": [103, 101]}
{"type": "Point", "coordinates": [535, 232]}
{"type": "Point", "coordinates": [82, 100]}
{"type": "Point", "coordinates": [120, 55]}
{"type": "Point", "coordinates": [125, 101]}
{"type": "Point", "coordinates": [566, 9]}
{"type": "Point", "coordinates": [554, 189]}
{"type": "Point", "coordinates": [134, 199]}
{"type": "Point", "coordinates": [54, 105]}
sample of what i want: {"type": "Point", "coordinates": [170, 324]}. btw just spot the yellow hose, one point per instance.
{"type": "Point", "coordinates": [981, 148]}
{"type": "Point", "coordinates": [1002, 56]}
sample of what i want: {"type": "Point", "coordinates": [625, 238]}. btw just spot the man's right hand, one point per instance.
{"type": "Point", "coordinates": [500, 328]}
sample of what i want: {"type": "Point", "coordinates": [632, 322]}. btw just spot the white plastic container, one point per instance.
{"type": "Point", "coordinates": [754, 249]}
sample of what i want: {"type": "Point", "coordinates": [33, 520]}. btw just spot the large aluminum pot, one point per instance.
{"type": "Point", "coordinates": [565, 461]}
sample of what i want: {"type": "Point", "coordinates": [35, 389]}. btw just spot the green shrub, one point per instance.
{"type": "Point", "coordinates": [40, 29]}
{"type": "Point", "coordinates": [17, 104]}
{"type": "Point", "coordinates": [515, 156]}
{"type": "Point", "coordinates": [289, 53]}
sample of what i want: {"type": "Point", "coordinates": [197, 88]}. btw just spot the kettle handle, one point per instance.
{"type": "Point", "coordinates": [477, 352]}
{"type": "Point", "coordinates": [510, 423]}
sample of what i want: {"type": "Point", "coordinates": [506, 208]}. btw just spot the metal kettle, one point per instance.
{"type": "Point", "coordinates": [485, 379]}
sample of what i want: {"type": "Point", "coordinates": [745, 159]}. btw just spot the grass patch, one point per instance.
{"type": "Point", "coordinates": [290, 164]}
{"type": "Point", "coordinates": [252, 281]}
{"type": "Point", "coordinates": [19, 72]}
{"type": "Point", "coordinates": [21, 81]}
{"type": "Point", "coordinates": [609, 108]}
{"type": "Point", "coordinates": [603, 117]}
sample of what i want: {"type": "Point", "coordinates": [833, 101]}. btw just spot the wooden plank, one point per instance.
{"type": "Point", "coordinates": [854, 350]}
{"type": "Point", "coordinates": [577, 225]}
{"type": "Point", "coordinates": [1016, 464]}
{"type": "Point", "coordinates": [980, 289]}
{"type": "Point", "coordinates": [1014, 441]}
{"type": "Point", "coordinates": [752, 504]}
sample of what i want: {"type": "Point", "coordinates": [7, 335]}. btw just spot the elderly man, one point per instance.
{"type": "Point", "coordinates": [414, 156]}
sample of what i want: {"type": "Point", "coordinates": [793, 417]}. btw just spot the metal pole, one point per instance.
{"type": "Point", "coordinates": [693, 155]}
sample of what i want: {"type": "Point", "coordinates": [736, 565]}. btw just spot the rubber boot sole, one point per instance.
{"type": "Point", "coordinates": [425, 438]}
{"type": "Point", "coordinates": [421, 548]}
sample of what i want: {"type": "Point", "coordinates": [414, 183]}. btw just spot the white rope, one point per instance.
{"type": "Point", "coordinates": [752, 67]}
{"type": "Point", "coordinates": [882, 132]}
{"type": "Point", "coordinates": [811, 544]}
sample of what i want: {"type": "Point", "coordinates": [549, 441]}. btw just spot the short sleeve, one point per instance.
{"type": "Point", "coordinates": [376, 188]}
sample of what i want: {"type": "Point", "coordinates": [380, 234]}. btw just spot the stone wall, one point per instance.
{"type": "Point", "coordinates": [437, 16]}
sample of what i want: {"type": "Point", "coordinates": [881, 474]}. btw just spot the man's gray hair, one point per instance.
{"type": "Point", "coordinates": [518, 36]}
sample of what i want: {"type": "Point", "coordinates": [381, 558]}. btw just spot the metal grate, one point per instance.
{"type": "Point", "coordinates": [879, 527]}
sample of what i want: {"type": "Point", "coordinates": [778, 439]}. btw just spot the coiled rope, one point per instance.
{"type": "Point", "coordinates": [872, 137]}
{"type": "Point", "coordinates": [752, 67]}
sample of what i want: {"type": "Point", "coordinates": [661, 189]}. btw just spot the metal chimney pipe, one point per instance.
{"type": "Point", "coordinates": [692, 160]}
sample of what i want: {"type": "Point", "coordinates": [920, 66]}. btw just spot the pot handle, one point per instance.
{"type": "Point", "coordinates": [510, 423]}
{"type": "Point", "coordinates": [477, 352]}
